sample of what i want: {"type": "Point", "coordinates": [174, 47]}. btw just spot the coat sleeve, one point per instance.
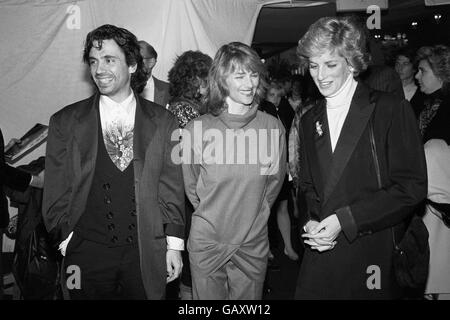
{"type": "Point", "coordinates": [57, 187]}
{"type": "Point", "coordinates": [191, 164]}
{"type": "Point", "coordinates": [278, 169]}
{"type": "Point", "coordinates": [307, 197]}
{"type": "Point", "coordinates": [404, 178]}
{"type": "Point", "coordinates": [171, 189]}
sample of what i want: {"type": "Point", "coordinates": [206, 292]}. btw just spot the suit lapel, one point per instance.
{"type": "Point", "coordinates": [354, 125]}
{"type": "Point", "coordinates": [144, 131]}
{"type": "Point", "coordinates": [86, 134]}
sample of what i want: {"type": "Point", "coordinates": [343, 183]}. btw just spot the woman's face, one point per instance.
{"type": "Point", "coordinates": [329, 71]}
{"type": "Point", "coordinates": [242, 86]}
{"type": "Point", "coordinates": [274, 95]}
{"type": "Point", "coordinates": [404, 68]}
{"type": "Point", "coordinates": [428, 81]}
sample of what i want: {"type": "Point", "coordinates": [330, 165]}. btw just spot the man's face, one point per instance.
{"type": "Point", "coordinates": [110, 71]}
{"type": "Point", "coordinates": [404, 68]}
{"type": "Point", "coordinates": [149, 61]}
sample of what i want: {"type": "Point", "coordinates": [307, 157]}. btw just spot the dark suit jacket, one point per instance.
{"type": "Point", "coordinates": [161, 92]}
{"type": "Point", "coordinates": [383, 78]}
{"type": "Point", "coordinates": [345, 183]}
{"type": "Point", "coordinates": [12, 178]}
{"type": "Point", "coordinates": [70, 163]}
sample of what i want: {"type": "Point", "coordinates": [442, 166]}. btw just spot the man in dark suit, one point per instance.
{"type": "Point", "coordinates": [383, 78]}
{"type": "Point", "coordinates": [17, 180]}
{"type": "Point", "coordinates": [155, 90]}
{"type": "Point", "coordinates": [113, 197]}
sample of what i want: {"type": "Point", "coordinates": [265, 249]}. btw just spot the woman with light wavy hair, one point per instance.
{"type": "Point", "coordinates": [361, 172]}
{"type": "Point", "coordinates": [434, 80]}
{"type": "Point", "coordinates": [229, 181]}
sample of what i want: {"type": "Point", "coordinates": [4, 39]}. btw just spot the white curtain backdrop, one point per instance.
{"type": "Point", "coordinates": [42, 41]}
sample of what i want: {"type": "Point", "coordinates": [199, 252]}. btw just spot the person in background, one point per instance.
{"type": "Point", "coordinates": [404, 65]}
{"type": "Point", "coordinates": [154, 90]}
{"type": "Point", "coordinates": [296, 96]}
{"type": "Point", "coordinates": [377, 75]}
{"type": "Point", "coordinates": [229, 181]}
{"type": "Point", "coordinates": [16, 180]}
{"type": "Point", "coordinates": [113, 195]}
{"type": "Point", "coordinates": [437, 153]}
{"type": "Point", "coordinates": [434, 80]}
{"type": "Point", "coordinates": [362, 169]}
{"type": "Point", "coordinates": [285, 114]}
{"type": "Point", "coordinates": [188, 85]}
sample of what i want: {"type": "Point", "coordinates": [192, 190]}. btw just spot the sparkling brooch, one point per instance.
{"type": "Point", "coordinates": [319, 128]}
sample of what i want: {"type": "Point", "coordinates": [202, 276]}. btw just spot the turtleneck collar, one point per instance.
{"type": "Point", "coordinates": [343, 96]}
{"type": "Point", "coordinates": [237, 121]}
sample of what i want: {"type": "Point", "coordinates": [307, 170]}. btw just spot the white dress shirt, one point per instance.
{"type": "Point", "coordinates": [113, 114]}
{"type": "Point", "coordinates": [149, 90]}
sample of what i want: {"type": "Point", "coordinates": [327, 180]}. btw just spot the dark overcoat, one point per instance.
{"type": "Point", "coordinates": [345, 183]}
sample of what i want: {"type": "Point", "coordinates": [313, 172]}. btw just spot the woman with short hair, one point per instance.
{"type": "Point", "coordinates": [434, 81]}
{"type": "Point", "coordinates": [362, 170]}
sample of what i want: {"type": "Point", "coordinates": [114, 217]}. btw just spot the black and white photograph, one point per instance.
{"type": "Point", "coordinates": [226, 156]}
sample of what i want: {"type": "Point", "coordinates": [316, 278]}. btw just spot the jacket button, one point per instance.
{"type": "Point", "coordinates": [133, 213]}
{"type": "Point", "coordinates": [111, 226]}
{"type": "Point", "coordinates": [129, 239]}
{"type": "Point", "coordinates": [133, 200]}
{"type": "Point", "coordinates": [114, 239]}
{"type": "Point", "coordinates": [107, 200]}
{"type": "Point", "coordinates": [106, 186]}
{"type": "Point", "coordinates": [110, 215]}
{"type": "Point", "coordinates": [131, 226]}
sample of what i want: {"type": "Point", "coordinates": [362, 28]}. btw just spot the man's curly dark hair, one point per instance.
{"type": "Point", "coordinates": [187, 74]}
{"type": "Point", "coordinates": [129, 45]}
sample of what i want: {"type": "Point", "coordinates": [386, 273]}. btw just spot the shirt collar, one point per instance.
{"type": "Point", "coordinates": [110, 105]}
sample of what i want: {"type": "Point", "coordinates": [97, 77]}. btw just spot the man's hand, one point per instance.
{"type": "Point", "coordinates": [38, 181]}
{"type": "Point", "coordinates": [174, 264]}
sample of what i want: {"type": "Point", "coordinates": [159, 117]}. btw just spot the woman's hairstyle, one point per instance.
{"type": "Point", "coordinates": [438, 57]}
{"type": "Point", "coordinates": [408, 53]}
{"type": "Point", "coordinates": [232, 57]}
{"type": "Point", "coordinates": [129, 45]}
{"type": "Point", "coordinates": [341, 34]}
{"type": "Point", "coordinates": [275, 84]}
{"type": "Point", "coordinates": [188, 73]}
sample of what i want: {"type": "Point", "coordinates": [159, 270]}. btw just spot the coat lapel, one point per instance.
{"type": "Point", "coordinates": [144, 131]}
{"type": "Point", "coordinates": [317, 150]}
{"type": "Point", "coordinates": [354, 125]}
{"type": "Point", "coordinates": [86, 135]}
{"type": "Point", "coordinates": [323, 142]}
